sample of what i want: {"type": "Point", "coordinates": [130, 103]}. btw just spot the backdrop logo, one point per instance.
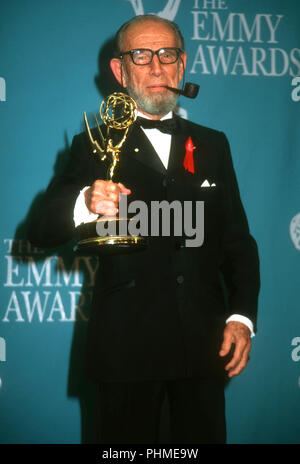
{"type": "Point", "coordinates": [2, 349]}
{"type": "Point", "coordinates": [237, 43]}
{"type": "Point", "coordinates": [45, 288]}
{"type": "Point", "coordinates": [2, 89]}
{"type": "Point", "coordinates": [295, 231]}
{"type": "Point", "coordinates": [296, 90]}
{"type": "Point", "coordinates": [169, 11]}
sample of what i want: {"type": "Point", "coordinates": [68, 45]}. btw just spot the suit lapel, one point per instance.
{"type": "Point", "coordinates": [177, 148]}
{"type": "Point", "coordinates": [140, 148]}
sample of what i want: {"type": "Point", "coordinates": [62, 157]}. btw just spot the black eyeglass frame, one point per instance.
{"type": "Point", "coordinates": [131, 52]}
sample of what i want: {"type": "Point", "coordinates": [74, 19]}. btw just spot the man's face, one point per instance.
{"type": "Point", "coordinates": [146, 84]}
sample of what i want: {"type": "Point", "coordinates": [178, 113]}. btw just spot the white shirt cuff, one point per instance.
{"type": "Point", "coordinates": [81, 212]}
{"type": "Point", "coordinates": [243, 320]}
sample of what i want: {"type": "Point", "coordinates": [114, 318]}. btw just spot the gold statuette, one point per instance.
{"type": "Point", "coordinates": [118, 112]}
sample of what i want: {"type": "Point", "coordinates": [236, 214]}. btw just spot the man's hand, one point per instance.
{"type": "Point", "coordinates": [103, 197]}
{"type": "Point", "coordinates": [239, 334]}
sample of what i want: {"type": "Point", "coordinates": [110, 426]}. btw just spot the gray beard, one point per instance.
{"type": "Point", "coordinates": [156, 105]}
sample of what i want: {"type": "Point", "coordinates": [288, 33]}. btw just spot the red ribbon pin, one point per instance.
{"type": "Point", "coordinates": [188, 162]}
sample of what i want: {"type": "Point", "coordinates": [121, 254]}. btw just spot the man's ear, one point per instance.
{"type": "Point", "coordinates": [116, 67]}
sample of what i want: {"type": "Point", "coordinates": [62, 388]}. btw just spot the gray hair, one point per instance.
{"type": "Point", "coordinates": [141, 18]}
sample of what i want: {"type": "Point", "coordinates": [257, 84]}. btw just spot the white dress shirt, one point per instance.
{"type": "Point", "coordinates": [161, 143]}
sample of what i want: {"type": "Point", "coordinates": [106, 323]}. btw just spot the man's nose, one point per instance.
{"type": "Point", "coordinates": [156, 68]}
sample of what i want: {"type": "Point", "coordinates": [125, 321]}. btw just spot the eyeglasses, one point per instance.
{"type": "Point", "coordinates": [143, 56]}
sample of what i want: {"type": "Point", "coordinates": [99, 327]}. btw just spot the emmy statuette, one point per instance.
{"type": "Point", "coordinates": [118, 112]}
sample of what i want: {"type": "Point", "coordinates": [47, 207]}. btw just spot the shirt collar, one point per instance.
{"type": "Point", "coordinates": [166, 116]}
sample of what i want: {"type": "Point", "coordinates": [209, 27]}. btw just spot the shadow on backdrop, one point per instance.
{"type": "Point", "coordinates": [77, 385]}
{"type": "Point", "coordinates": [105, 80]}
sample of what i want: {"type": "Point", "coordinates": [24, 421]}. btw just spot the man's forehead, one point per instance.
{"type": "Point", "coordinates": [148, 34]}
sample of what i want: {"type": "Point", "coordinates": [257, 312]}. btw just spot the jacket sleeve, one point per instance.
{"type": "Point", "coordinates": [240, 266]}
{"type": "Point", "coordinates": [51, 221]}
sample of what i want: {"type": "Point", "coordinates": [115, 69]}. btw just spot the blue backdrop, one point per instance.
{"type": "Point", "coordinates": [53, 66]}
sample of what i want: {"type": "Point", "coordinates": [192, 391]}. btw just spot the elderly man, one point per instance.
{"type": "Point", "coordinates": [171, 320]}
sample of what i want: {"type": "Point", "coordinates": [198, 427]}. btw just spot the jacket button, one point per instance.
{"type": "Point", "coordinates": [165, 182]}
{"type": "Point", "coordinates": [180, 279]}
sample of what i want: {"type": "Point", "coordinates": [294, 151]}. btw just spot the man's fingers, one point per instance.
{"type": "Point", "coordinates": [105, 208]}
{"type": "Point", "coordinates": [103, 197]}
{"type": "Point", "coordinates": [226, 345]}
{"type": "Point", "coordinates": [124, 190]}
{"type": "Point", "coordinates": [238, 334]}
{"type": "Point", "coordinates": [238, 362]}
{"type": "Point", "coordinates": [237, 355]}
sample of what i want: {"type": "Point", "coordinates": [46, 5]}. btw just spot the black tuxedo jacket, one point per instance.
{"type": "Point", "coordinates": [160, 313]}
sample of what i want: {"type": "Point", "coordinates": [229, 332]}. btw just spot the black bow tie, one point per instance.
{"type": "Point", "coordinates": [168, 126]}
